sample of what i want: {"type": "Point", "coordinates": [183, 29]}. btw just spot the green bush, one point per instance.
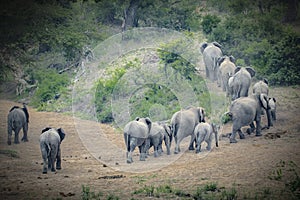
{"type": "Point", "coordinates": [209, 22]}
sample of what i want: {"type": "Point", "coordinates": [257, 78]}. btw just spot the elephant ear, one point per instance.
{"type": "Point", "coordinates": [46, 129]}
{"type": "Point", "coordinates": [264, 100]}
{"type": "Point", "coordinates": [220, 60]}
{"type": "Point", "coordinates": [61, 134]}
{"type": "Point", "coordinates": [237, 69]}
{"type": "Point", "coordinates": [137, 119]}
{"type": "Point", "coordinates": [232, 59]}
{"type": "Point", "coordinates": [201, 114]}
{"type": "Point", "coordinates": [251, 71]}
{"type": "Point", "coordinates": [148, 122]}
{"type": "Point", "coordinates": [217, 44]}
{"type": "Point", "coordinates": [265, 81]}
{"type": "Point", "coordinates": [203, 46]}
{"type": "Point", "coordinates": [274, 99]}
{"type": "Point", "coordinates": [15, 107]}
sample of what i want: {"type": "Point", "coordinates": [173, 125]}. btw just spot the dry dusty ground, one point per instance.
{"type": "Point", "coordinates": [250, 166]}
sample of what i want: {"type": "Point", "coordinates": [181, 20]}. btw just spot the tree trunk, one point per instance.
{"type": "Point", "coordinates": [130, 15]}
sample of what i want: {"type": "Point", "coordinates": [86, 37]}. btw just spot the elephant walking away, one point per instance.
{"type": "Point", "coordinates": [50, 141]}
{"type": "Point", "coordinates": [136, 133]}
{"type": "Point", "coordinates": [261, 87]}
{"type": "Point", "coordinates": [226, 70]}
{"type": "Point", "coordinates": [205, 132]}
{"type": "Point", "coordinates": [240, 82]}
{"type": "Point", "coordinates": [244, 111]}
{"type": "Point", "coordinates": [17, 119]}
{"type": "Point", "coordinates": [160, 132]}
{"type": "Point", "coordinates": [183, 124]}
{"type": "Point", "coordinates": [211, 53]}
{"type": "Point", "coordinates": [272, 103]}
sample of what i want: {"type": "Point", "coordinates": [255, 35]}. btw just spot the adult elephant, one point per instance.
{"type": "Point", "coordinates": [211, 52]}
{"type": "Point", "coordinates": [240, 82]}
{"type": "Point", "coordinates": [136, 133]}
{"type": "Point", "coordinates": [160, 132]}
{"type": "Point", "coordinates": [244, 111]}
{"type": "Point", "coordinates": [17, 119]}
{"type": "Point", "coordinates": [226, 70]}
{"type": "Point", "coordinates": [183, 124]}
{"type": "Point", "coordinates": [50, 141]}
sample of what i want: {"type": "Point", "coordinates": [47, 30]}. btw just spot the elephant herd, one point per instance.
{"type": "Point", "coordinates": [236, 81]}
{"type": "Point", "coordinates": [245, 110]}
{"type": "Point", "coordinates": [143, 133]}
{"type": "Point", "coordinates": [50, 138]}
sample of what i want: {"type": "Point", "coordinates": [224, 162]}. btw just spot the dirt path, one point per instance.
{"type": "Point", "coordinates": [248, 165]}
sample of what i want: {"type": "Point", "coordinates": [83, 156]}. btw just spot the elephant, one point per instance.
{"type": "Point", "coordinates": [226, 70]}
{"type": "Point", "coordinates": [261, 87]}
{"type": "Point", "coordinates": [240, 82]}
{"type": "Point", "coordinates": [272, 103]}
{"type": "Point", "coordinates": [136, 133]}
{"type": "Point", "coordinates": [159, 132]}
{"type": "Point", "coordinates": [50, 140]}
{"type": "Point", "coordinates": [211, 52]}
{"type": "Point", "coordinates": [183, 123]}
{"type": "Point", "coordinates": [244, 111]}
{"type": "Point", "coordinates": [17, 119]}
{"type": "Point", "coordinates": [204, 132]}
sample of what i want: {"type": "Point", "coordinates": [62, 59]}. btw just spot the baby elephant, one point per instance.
{"type": "Point", "coordinates": [204, 132]}
{"type": "Point", "coordinates": [50, 140]}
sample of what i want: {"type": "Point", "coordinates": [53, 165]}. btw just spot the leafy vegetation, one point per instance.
{"type": "Point", "coordinates": [254, 32]}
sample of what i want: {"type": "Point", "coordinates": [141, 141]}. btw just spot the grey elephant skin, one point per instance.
{"type": "Point", "coordinates": [50, 141]}
{"type": "Point", "coordinates": [160, 132]}
{"type": "Point", "coordinates": [240, 82]}
{"type": "Point", "coordinates": [244, 111]}
{"type": "Point", "coordinates": [17, 119]}
{"type": "Point", "coordinates": [226, 70]}
{"type": "Point", "coordinates": [205, 132]}
{"type": "Point", "coordinates": [261, 87]}
{"type": "Point", "coordinates": [211, 53]}
{"type": "Point", "coordinates": [272, 103]}
{"type": "Point", "coordinates": [183, 124]}
{"type": "Point", "coordinates": [136, 134]}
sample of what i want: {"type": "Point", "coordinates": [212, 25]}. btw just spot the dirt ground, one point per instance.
{"type": "Point", "coordinates": [250, 166]}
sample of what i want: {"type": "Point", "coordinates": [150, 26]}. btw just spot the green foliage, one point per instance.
{"type": "Point", "coordinates": [209, 22]}
{"type": "Point", "coordinates": [255, 34]}
{"type": "Point", "coordinates": [87, 194]}
{"type": "Point", "coordinates": [50, 83]}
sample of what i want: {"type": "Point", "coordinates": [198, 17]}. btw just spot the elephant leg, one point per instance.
{"type": "Point", "coordinates": [25, 130]}
{"type": "Point", "coordinates": [155, 150]}
{"type": "Point", "coordinates": [53, 154]}
{"type": "Point", "coordinates": [258, 126]}
{"type": "Point", "coordinates": [132, 145]}
{"type": "Point", "coordinates": [44, 150]}
{"type": "Point", "coordinates": [193, 140]}
{"type": "Point", "coordinates": [251, 129]}
{"type": "Point", "coordinates": [269, 117]}
{"type": "Point", "coordinates": [273, 113]}
{"type": "Point", "coordinates": [17, 131]}
{"type": "Point", "coordinates": [207, 73]}
{"type": "Point", "coordinates": [9, 133]}
{"type": "Point", "coordinates": [58, 159]}
{"type": "Point", "coordinates": [208, 142]}
{"type": "Point", "coordinates": [177, 143]}
{"type": "Point", "coordinates": [167, 144]}
{"type": "Point", "coordinates": [235, 129]}
{"type": "Point", "coordinates": [142, 152]}
{"type": "Point", "coordinates": [241, 134]}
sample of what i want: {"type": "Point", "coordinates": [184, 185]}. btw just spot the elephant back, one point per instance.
{"type": "Point", "coordinates": [50, 136]}
{"type": "Point", "coordinates": [16, 116]}
{"type": "Point", "coordinates": [156, 129]}
{"type": "Point", "coordinates": [137, 129]}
